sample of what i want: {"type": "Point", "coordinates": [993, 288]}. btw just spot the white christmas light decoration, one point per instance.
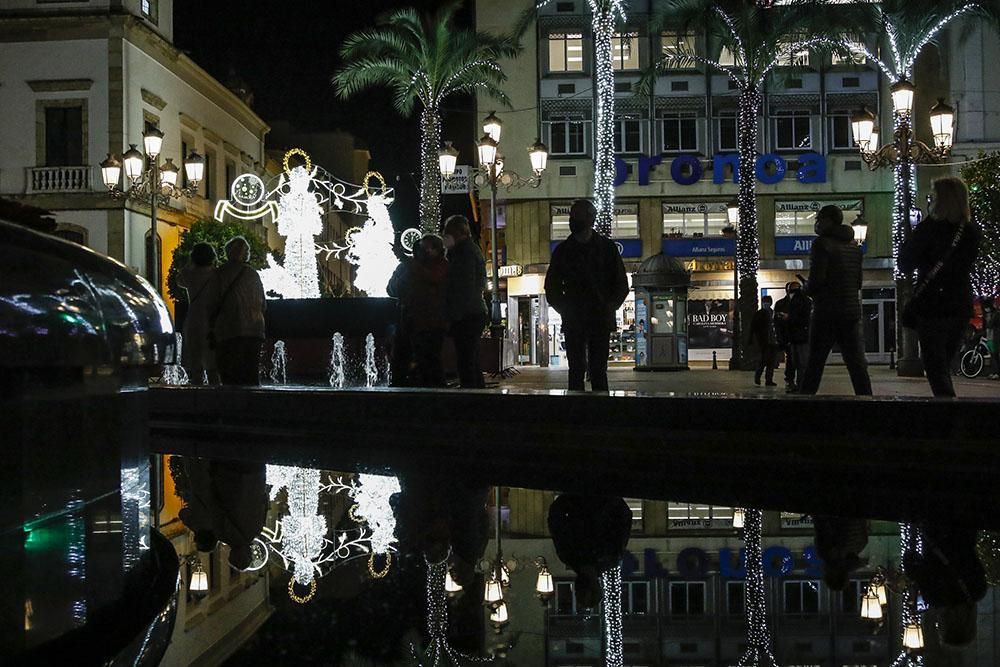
{"type": "Point", "coordinates": [371, 249]}
{"type": "Point", "coordinates": [909, 541]}
{"type": "Point", "coordinates": [300, 220]}
{"type": "Point", "coordinates": [174, 374]}
{"type": "Point", "coordinates": [611, 602]}
{"type": "Point", "coordinates": [438, 650]}
{"type": "Point", "coordinates": [758, 652]}
{"type": "Point", "coordinates": [605, 13]}
{"type": "Point", "coordinates": [372, 494]}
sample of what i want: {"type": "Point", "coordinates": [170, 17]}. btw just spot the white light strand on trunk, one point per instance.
{"type": "Point", "coordinates": [605, 13]}
{"type": "Point", "coordinates": [611, 603]}
{"type": "Point", "coordinates": [430, 171]}
{"type": "Point", "coordinates": [909, 540]}
{"type": "Point", "coordinates": [758, 653]}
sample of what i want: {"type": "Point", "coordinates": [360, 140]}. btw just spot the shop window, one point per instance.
{"type": "Point", "coordinates": [801, 597]}
{"type": "Point", "coordinates": [687, 598]}
{"type": "Point", "coordinates": [628, 133]}
{"type": "Point", "coordinates": [625, 224]}
{"type": "Point", "coordinates": [726, 132]}
{"type": "Point", "coordinates": [565, 52]}
{"type": "Point", "coordinates": [694, 219]}
{"type": "Point", "coordinates": [841, 136]}
{"type": "Point", "coordinates": [736, 596]}
{"type": "Point", "coordinates": [677, 49]}
{"type": "Point", "coordinates": [636, 597]}
{"type": "Point", "coordinates": [798, 218]}
{"type": "Point", "coordinates": [684, 515]}
{"type": "Point", "coordinates": [792, 130]}
{"type": "Point", "coordinates": [63, 136]}
{"type": "Point", "coordinates": [566, 133]}
{"type": "Point", "coordinates": [625, 51]}
{"type": "Point", "coordinates": [679, 132]}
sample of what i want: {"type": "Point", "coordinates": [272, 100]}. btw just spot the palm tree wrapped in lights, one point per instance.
{"type": "Point", "coordinates": [425, 59]}
{"type": "Point", "coordinates": [759, 39]}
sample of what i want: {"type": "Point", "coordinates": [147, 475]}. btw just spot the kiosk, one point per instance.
{"type": "Point", "coordinates": [661, 292]}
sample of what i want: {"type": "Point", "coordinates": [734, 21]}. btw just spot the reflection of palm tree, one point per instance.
{"type": "Point", "coordinates": [425, 59]}
{"type": "Point", "coordinates": [439, 651]}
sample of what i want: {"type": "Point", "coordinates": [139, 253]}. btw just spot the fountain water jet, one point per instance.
{"type": "Point", "coordinates": [337, 361]}
{"type": "Point", "coordinates": [279, 363]}
{"type": "Point", "coordinates": [371, 369]}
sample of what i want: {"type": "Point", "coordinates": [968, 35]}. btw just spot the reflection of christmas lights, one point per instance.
{"type": "Point", "coordinates": [438, 650]}
{"type": "Point", "coordinates": [611, 601]}
{"type": "Point", "coordinates": [372, 494]}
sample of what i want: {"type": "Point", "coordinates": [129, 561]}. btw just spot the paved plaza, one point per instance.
{"type": "Point", "coordinates": [701, 378]}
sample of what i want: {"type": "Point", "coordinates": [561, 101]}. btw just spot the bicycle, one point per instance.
{"type": "Point", "coordinates": [974, 359]}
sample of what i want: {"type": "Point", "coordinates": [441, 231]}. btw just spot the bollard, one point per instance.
{"type": "Point", "coordinates": [715, 360]}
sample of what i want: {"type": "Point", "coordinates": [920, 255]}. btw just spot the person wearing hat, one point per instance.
{"type": "Point", "coordinates": [586, 284]}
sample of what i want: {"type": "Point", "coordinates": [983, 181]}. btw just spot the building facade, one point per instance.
{"type": "Point", "coordinates": [676, 148]}
{"type": "Point", "coordinates": [84, 79]}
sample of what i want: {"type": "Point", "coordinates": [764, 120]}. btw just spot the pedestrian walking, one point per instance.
{"type": "Point", "coordinates": [586, 284]}
{"type": "Point", "coordinates": [792, 313]}
{"type": "Point", "coordinates": [464, 306]}
{"type": "Point", "coordinates": [834, 285]}
{"type": "Point", "coordinates": [197, 355]}
{"type": "Point", "coordinates": [763, 331]}
{"type": "Point", "coordinates": [237, 316]}
{"type": "Point", "coordinates": [422, 294]}
{"type": "Point", "coordinates": [941, 250]}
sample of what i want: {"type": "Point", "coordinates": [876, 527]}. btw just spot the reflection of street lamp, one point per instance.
{"type": "Point", "coordinates": [901, 154]}
{"type": "Point", "coordinates": [147, 180]}
{"type": "Point", "coordinates": [493, 174]}
{"type": "Point", "coordinates": [733, 215]}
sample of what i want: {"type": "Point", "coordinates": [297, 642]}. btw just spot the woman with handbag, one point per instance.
{"type": "Point", "coordinates": [942, 250]}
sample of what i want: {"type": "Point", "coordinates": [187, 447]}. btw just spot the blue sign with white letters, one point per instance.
{"type": "Point", "coordinates": [628, 248]}
{"type": "Point", "coordinates": [799, 245]}
{"type": "Point", "coordinates": [699, 247]}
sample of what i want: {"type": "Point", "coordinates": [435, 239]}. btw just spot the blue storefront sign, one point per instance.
{"type": "Point", "coordinates": [798, 245]}
{"type": "Point", "coordinates": [629, 248]}
{"type": "Point", "coordinates": [699, 247]}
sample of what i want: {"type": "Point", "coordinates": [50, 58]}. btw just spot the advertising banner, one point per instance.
{"type": "Point", "coordinates": [709, 323]}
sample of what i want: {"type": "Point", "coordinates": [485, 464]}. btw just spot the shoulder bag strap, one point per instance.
{"type": "Point", "coordinates": [936, 269]}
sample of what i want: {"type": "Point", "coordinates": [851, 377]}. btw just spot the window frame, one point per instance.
{"type": "Point", "coordinates": [568, 119]}
{"type": "Point", "coordinates": [688, 586]}
{"type": "Point", "coordinates": [621, 133]}
{"type": "Point", "coordinates": [832, 118]}
{"type": "Point", "coordinates": [565, 38]}
{"type": "Point", "coordinates": [792, 115]}
{"type": "Point", "coordinates": [717, 135]}
{"type": "Point", "coordinates": [801, 584]}
{"type": "Point", "coordinates": [709, 516]}
{"type": "Point", "coordinates": [730, 585]}
{"type": "Point", "coordinates": [679, 41]}
{"type": "Point", "coordinates": [622, 45]}
{"type": "Point", "coordinates": [678, 117]}
{"type": "Point", "coordinates": [629, 589]}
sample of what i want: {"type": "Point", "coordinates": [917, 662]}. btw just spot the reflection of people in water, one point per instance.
{"type": "Point", "coordinates": [590, 534]}
{"type": "Point", "coordinates": [224, 501]}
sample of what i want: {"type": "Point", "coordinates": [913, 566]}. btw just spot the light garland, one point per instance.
{"type": "Point", "coordinates": [438, 650]}
{"type": "Point", "coordinates": [758, 653]}
{"type": "Point", "coordinates": [910, 540]}
{"type": "Point", "coordinates": [611, 603]}
{"type": "Point", "coordinates": [301, 599]}
{"type": "Point", "coordinates": [605, 12]}
{"type": "Point", "coordinates": [984, 200]}
{"type": "Point", "coordinates": [430, 172]}
{"type": "Point", "coordinates": [379, 574]}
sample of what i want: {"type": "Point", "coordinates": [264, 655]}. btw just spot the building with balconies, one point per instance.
{"type": "Point", "coordinates": [84, 79]}
{"type": "Point", "coordinates": [675, 149]}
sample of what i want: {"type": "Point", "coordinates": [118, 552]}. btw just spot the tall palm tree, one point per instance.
{"type": "Point", "coordinates": [907, 27]}
{"type": "Point", "coordinates": [425, 59]}
{"type": "Point", "coordinates": [759, 38]}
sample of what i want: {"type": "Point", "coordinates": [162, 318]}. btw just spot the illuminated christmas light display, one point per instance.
{"type": "Point", "coordinates": [371, 249]}
{"type": "Point", "coordinates": [174, 374]}
{"type": "Point", "coordinates": [611, 603]}
{"type": "Point", "coordinates": [300, 220]}
{"type": "Point", "coordinates": [372, 494]}
{"type": "Point", "coordinates": [984, 200]}
{"type": "Point", "coordinates": [758, 653]}
{"type": "Point", "coordinates": [605, 14]}
{"type": "Point", "coordinates": [909, 541]}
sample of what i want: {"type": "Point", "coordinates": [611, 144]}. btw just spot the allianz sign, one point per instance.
{"type": "Point", "coordinates": [770, 168]}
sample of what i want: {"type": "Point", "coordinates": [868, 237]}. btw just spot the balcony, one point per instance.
{"type": "Point", "coordinates": [51, 180]}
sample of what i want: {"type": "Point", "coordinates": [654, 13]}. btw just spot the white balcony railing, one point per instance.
{"type": "Point", "coordinates": [58, 179]}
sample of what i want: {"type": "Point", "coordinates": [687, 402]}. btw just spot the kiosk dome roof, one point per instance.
{"type": "Point", "coordinates": [661, 271]}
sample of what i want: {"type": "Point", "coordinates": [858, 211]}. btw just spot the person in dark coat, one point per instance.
{"type": "Point", "coordinates": [792, 315]}
{"type": "Point", "coordinates": [401, 365]}
{"type": "Point", "coordinates": [586, 284]}
{"type": "Point", "coordinates": [944, 306]}
{"type": "Point", "coordinates": [590, 534]}
{"type": "Point", "coordinates": [464, 306]}
{"type": "Point", "coordinates": [421, 291]}
{"type": "Point", "coordinates": [834, 284]}
{"type": "Point", "coordinates": [764, 333]}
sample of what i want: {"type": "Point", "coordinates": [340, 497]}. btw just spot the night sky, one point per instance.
{"type": "Point", "coordinates": [287, 53]}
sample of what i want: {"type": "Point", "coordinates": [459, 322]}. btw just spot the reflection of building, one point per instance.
{"type": "Point", "coordinates": [675, 175]}
{"type": "Point", "coordinates": [86, 79]}
{"type": "Point", "coordinates": [683, 594]}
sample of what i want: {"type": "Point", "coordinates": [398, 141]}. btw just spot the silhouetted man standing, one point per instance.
{"type": "Point", "coordinates": [586, 284]}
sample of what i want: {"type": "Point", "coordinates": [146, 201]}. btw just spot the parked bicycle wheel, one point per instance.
{"type": "Point", "coordinates": [972, 363]}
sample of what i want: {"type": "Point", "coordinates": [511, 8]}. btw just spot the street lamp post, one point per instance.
{"type": "Point", "coordinates": [902, 154]}
{"type": "Point", "coordinates": [736, 360]}
{"type": "Point", "coordinates": [492, 174]}
{"type": "Point", "coordinates": [147, 180]}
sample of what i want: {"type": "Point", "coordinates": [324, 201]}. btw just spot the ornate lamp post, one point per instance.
{"type": "Point", "coordinates": [492, 174]}
{"type": "Point", "coordinates": [904, 152]}
{"type": "Point", "coordinates": [147, 180]}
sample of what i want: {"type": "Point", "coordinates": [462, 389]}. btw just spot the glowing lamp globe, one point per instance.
{"type": "Point", "coordinates": [544, 585]}
{"type": "Point", "coordinates": [111, 171]}
{"type": "Point", "coordinates": [860, 230]}
{"type": "Point", "coordinates": [870, 608]}
{"type": "Point", "coordinates": [733, 215]}
{"type": "Point", "coordinates": [493, 126]}
{"type": "Point", "coordinates": [168, 173]}
{"type": "Point", "coordinates": [862, 127]}
{"type": "Point", "coordinates": [487, 151]}
{"type": "Point", "coordinates": [450, 585]}
{"type": "Point", "coordinates": [738, 517]}
{"type": "Point", "coordinates": [499, 614]}
{"type": "Point", "coordinates": [913, 636]}
{"type": "Point", "coordinates": [199, 582]}
{"type": "Point", "coordinates": [133, 162]}
{"type": "Point", "coordinates": [194, 167]}
{"type": "Point", "coordinates": [902, 97]}
{"type": "Point", "coordinates": [539, 155]}
{"type": "Point", "coordinates": [942, 124]}
{"type": "Point", "coordinates": [152, 142]}
{"type": "Point", "coordinates": [879, 588]}
{"type": "Point", "coordinates": [448, 160]}
{"type": "Point", "coordinates": [873, 141]}
{"type": "Point", "coordinates": [494, 591]}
